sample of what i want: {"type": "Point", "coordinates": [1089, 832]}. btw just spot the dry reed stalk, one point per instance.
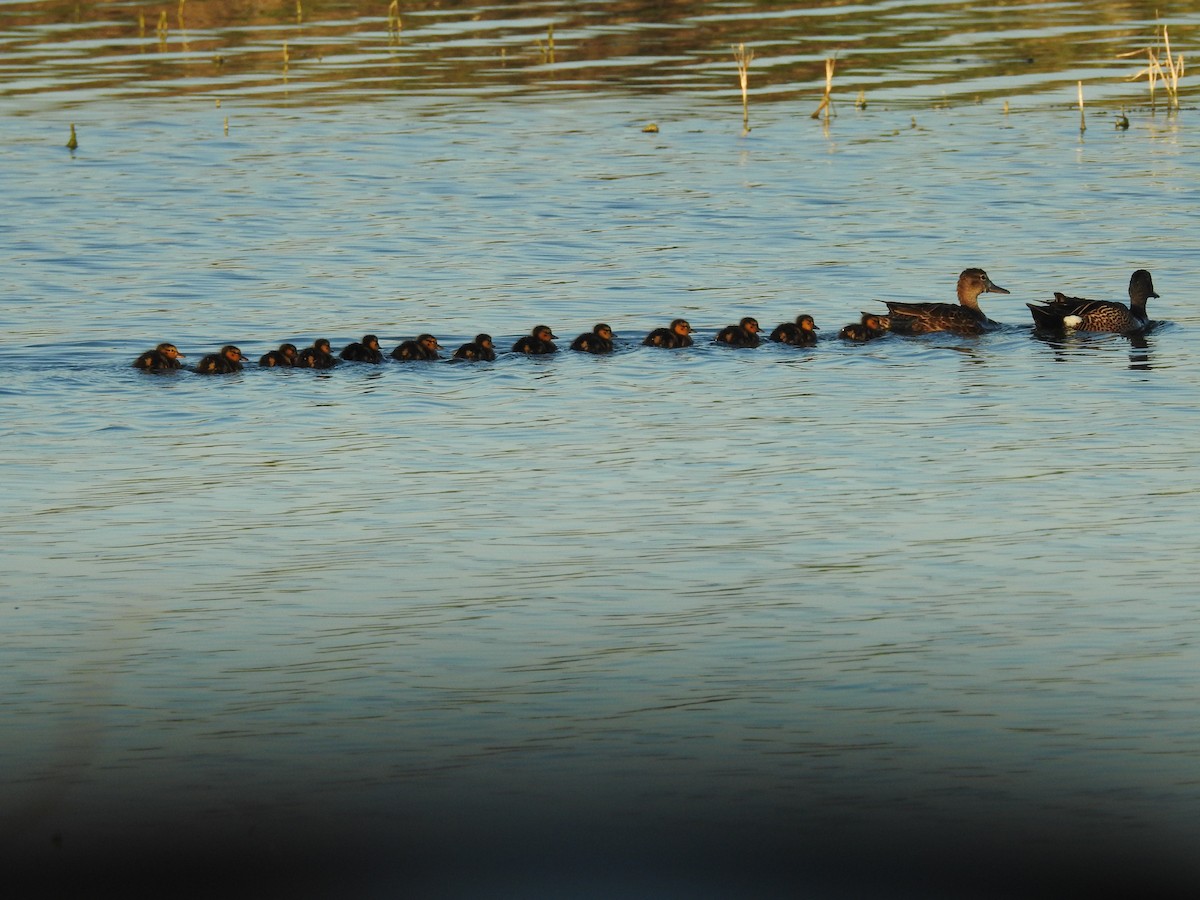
{"type": "Point", "coordinates": [1154, 71]}
{"type": "Point", "coordinates": [141, 24]}
{"type": "Point", "coordinates": [394, 24]}
{"type": "Point", "coordinates": [1082, 117]}
{"type": "Point", "coordinates": [547, 49]}
{"type": "Point", "coordinates": [743, 57]}
{"type": "Point", "coordinates": [179, 14]}
{"type": "Point", "coordinates": [827, 100]}
{"type": "Point", "coordinates": [162, 29]}
{"type": "Point", "coordinates": [286, 58]}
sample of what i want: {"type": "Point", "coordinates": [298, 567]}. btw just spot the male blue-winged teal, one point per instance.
{"type": "Point", "coordinates": [318, 356]}
{"type": "Point", "coordinates": [163, 358]}
{"type": "Point", "coordinates": [424, 347]}
{"type": "Point", "coordinates": [598, 340]}
{"type": "Point", "coordinates": [479, 350]}
{"type": "Point", "coordinates": [284, 357]}
{"type": "Point", "coordinates": [1079, 314]}
{"type": "Point", "coordinates": [965, 318]}
{"type": "Point", "coordinates": [539, 342]}
{"type": "Point", "coordinates": [677, 334]}
{"type": "Point", "coordinates": [228, 359]}
{"type": "Point", "coordinates": [743, 334]}
{"type": "Point", "coordinates": [367, 350]}
{"type": "Point", "coordinates": [801, 333]}
{"type": "Point", "coordinates": [868, 328]}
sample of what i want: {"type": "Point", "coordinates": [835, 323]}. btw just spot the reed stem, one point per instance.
{"type": "Point", "coordinates": [742, 57]}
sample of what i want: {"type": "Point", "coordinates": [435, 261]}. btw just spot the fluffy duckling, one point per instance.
{"type": "Point", "coordinates": [367, 350]}
{"type": "Point", "coordinates": [284, 357]}
{"type": "Point", "coordinates": [163, 358]}
{"type": "Point", "coordinates": [598, 340]}
{"type": "Point", "coordinates": [479, 350]}
{"type": "Point", "coordinates": [677, 334]}
{"type": "Point", "coordinates": [228, 359]}
{"type": "Point", "coordinates": [868, 328]}
{"type": "Point", "coordinates": [743, 334]}
{"type": "Point", "coordinates": [318, 356]}
{"type": "Point", "coordinates": [801, 333]}
{"type": "Point", "coordinates": [425, 347]}
{"type": "Point", "coordinates": [539, 342]}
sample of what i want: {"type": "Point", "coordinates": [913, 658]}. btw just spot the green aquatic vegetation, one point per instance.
{"type": "Point", "coordinates": [72, 141]}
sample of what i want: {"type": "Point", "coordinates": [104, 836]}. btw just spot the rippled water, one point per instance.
{"type": "Point", "coordinates": [890, 619]}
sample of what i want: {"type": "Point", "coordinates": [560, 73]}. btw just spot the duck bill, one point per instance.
{"type": "Point", "coordinates": [995, 288]}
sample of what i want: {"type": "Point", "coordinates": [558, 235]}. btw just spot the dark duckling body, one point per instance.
{"type": "Point", "coordinates": [424, 347]}
{"type": "Point", "coordinates": [1079, 314]}
{"type": "Point", "coordinates": [743, 334]}
{"type": "Point", "coordinates": [677, 334]}
{"type": "Point", "coordinates": [868, 328]}
{"type": "Point", "coordinates": [367, 350]}
{"type": "Point", "coordinates": [163, 358]}
{"type": "Point", "coordinates": [801, 333]}
{"type": "Point", "coordinates": [964, 318]}
{"type": "Point", "coordinates": [228, 360]}
{"type": "Point", "coordinates": [284, 357]}
{"type": "Point", "coordinates": [539, 342]}
{"type": "Point", "coordinates": [598, 340]}
{"type": "Point", "coordinates": [318, 356]}
{"type": "Point", "coordinates": [479, 350]}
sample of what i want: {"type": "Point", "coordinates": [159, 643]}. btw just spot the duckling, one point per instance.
{"type": "Point", "coordinates": [367, 350]}
{"type": "Point", "coordinates": [539, 342]}
{"type": "Point", "coordinates": [598, 340]}
{"type": "Point", "coordinates": [743, 334]}
{"type": "Point", "coordinates": [163, 358]}
{"type": "Point", "coordinates": [425, 347]}
{"type": "Point", "coordinates": [285, 357]}
{"type": "Point", "coordinates": [801, 333]}
{"type": "Point", "coordinates": [868, 328]}
{"type": "Point", "coordinates": [228, 359]}
{"type": "Point", "coordinates": [318, 356]}
{"type": "Point", "coordinates": [677, 334]}
{"type": "Point", "coordinates": [479, 350]}
{"type": "Point", "coordinates": [1079, 314]}
{"type": "Point", "coordinates": [965, 318]}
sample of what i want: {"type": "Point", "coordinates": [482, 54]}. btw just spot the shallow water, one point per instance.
{"type": "Point", "coordinates": [905, 617]}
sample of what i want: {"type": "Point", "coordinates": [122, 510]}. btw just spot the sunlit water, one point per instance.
{"type": "Point", "coordinates": [662, 622]}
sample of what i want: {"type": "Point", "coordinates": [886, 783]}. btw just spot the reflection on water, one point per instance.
{"type": "Point", "coordinates": [905, 617]}
{"type": "Point", "coordinates": [325, 51]}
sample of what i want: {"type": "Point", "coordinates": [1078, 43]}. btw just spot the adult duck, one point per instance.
{"type": "Point", "coordinates": [227, 360]}
{"type": "Point", "coordinates": [1079, 314]}
{"type": "Point", "coordinates": [424, 347]}
{"type": "Point", "coordinates": [284, 357]}
{"type": "Point", "coordinates": [964, 318]}
{"type": "Point", "coordinates": [598, 340]}
{"type": "Point", "coordinates": [677, 334]}
{"type": "Point", "coordinates": [801, 333]}
{"type": "Point", "coordinates": [743, 334]}
{"type": "Point", "coordinates": [163, 358]}
{"type": "Point", "coordinates": [367, 350]}
{"type": "Point", "coordinates": [539, 342]}
{"type": "Point", "coordinates": [479, 350]}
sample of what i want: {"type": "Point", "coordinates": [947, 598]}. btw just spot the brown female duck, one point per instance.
{"type": "Point", "coordinates": [1076, 313]}
{"type": "Point", "coordinates": [964, 318]}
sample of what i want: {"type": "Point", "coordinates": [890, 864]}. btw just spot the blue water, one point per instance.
{"type": "Point", "coordinates": [904, 618]}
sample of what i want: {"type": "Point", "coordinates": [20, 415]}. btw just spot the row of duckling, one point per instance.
{"type": "Point", "coordinates": [1054, 317]}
